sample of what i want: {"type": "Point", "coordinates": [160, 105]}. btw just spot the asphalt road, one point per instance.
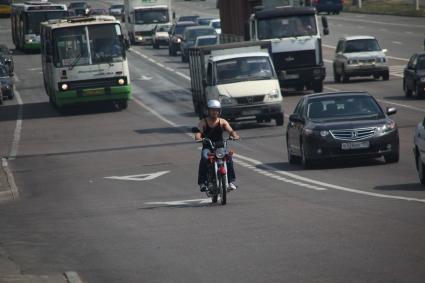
{"type": "Point", "coordinates": [352, 221]}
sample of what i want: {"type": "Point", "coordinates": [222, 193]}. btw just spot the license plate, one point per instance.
{"type": "Point", "coordinates": [291, 76]}
{"type": "Point", "coordinates": [93, 92]}
{"type": "Point", "coordinates": [251, 112]}
{"type": "Point", "coordinates": [355, 145]}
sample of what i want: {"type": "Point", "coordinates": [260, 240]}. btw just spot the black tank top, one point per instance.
{"type": "Point", "coordinates": [214, 134]}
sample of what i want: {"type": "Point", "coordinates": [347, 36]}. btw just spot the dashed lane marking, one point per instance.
{"type": "Point", "coordinates": [313, 184]}
{"type": "Point", "coordinates": [18, 128]}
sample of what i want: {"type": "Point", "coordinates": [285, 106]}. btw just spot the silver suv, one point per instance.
{"type": "Point", "coordinates": [359, 56]}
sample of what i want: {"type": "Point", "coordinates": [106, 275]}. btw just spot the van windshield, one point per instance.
{"type": "Point", "coordinates": [151, 16]}
{"type": "Point", "coordinates": [282, 27]}
{"type": "Point", "coordinates": [243, 69]}
{"type": "Point", "coordinates": [88, 45]}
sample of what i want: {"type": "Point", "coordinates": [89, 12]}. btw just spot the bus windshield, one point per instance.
{"type": "Point", "coordinates": [151, 16]}
{"type": "Point", "coordinates": [33, 19]}
{"type": "Point", "coordinates": [103, 45]}
{"type": "Point", "coordinates": [282, 27]}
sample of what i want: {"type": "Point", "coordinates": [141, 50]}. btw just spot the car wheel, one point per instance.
{"type": "Point", "coordinates": [393, 157]}
{"type": "Point", "coordinates": [299, 88]}
{"type": "Point", "coordinates": [279, 119]}
{"type": "Point", "coordinates": [420, 167]}
{"type": "Point", "coordinates": [305, 161]}
{"type": "Point", "coordinates": [407, 91]}
{"type": "Point", "coordinates": [155, 46]}
{"type": "Point", "coordinates": [344, 77]}
{"type": "Point", "coordinates": [173, 51]}
{"type": "Point", "coordinates": [292, 159]}
{"type": "Point", "coordinates": [122, 104]}
{"type": "Point", "coordinates": [376, 76]}
{"type": "Point", "coordinates": [337, 77]}
{"type": "Point", "coordinates": [419, 91]}
{"type": "Point", "coordinates": [10, 95]}
{"type": "Point", "coordinates": [318, 87]}
{"type": "Point", "coordinates": [386, 76]}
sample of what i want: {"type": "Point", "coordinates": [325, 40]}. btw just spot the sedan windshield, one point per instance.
{"type": "Point", "coordinates": [361, 45]}
{"type": "Point", "coordinates": [77, 5]}
{"type": "Point", "coordinates": [242, 69]}
{"type": "Point", "coordinates": [103, 45]}
{"type": "Point", "coordinates": [287, 27]}
{"type": "Point", "coordinates": [334, 108]}
{"type": "Point", "coordinates": [207, 41]}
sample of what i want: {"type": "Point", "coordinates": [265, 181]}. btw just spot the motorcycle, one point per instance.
{"type": "Point", "coordinates": [217, 181]}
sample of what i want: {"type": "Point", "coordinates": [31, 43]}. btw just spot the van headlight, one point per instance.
{"type": "Point", "coordinates": [274, 94]}
{"type": "Point", "coordinates": [225, 99]}
{"type": "Point", "coordinates": [64, 86]}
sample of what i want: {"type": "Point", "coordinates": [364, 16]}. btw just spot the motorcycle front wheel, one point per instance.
{"type": "Point", "coordinates": [223, 190]}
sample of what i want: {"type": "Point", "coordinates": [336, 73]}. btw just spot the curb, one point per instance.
{"type": "Point", "coordinates": [13, 189]}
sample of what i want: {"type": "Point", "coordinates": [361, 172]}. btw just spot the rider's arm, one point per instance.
{"type": "Point", "coordinates": [228, 128]}
{"type": "Point", "coordinates": [201, 126]}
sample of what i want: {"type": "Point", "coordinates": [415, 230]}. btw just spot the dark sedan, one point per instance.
{"type": "Point", "coordinates": [341, 125]}
{"type": "Point", "coordinates": [176, 34]}
{"type": "Point", "coordinates": [6, 59]}
{"type": "Point", "coordinates": [414, 76]}
{"type": "Point", "coordinates": [6, 83]}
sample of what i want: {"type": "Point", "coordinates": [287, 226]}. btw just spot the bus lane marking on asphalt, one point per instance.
{"type": "Point", "coordinates": [140, 177]}
{"type": "Point", "coordinates": [292, 175]}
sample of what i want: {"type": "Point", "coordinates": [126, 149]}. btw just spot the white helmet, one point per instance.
{"type": "Point", "coordinates": [214, 104]}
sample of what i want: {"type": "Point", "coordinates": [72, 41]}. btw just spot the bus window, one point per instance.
{"type": "Point", "coordinates": [105, 44]}
{"type": "Point", "coordinates": [71, 47]}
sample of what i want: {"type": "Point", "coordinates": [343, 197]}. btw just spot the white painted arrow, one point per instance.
{"type": "Point", "coordinates": [145, 78]}
{"type": "Point", "coordinates": [140, 177]}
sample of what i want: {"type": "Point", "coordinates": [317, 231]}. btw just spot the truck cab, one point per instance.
{"type": "Point", "coordinates": [296, 44]}
{"type": "Point", "coordinates": [242, 77]}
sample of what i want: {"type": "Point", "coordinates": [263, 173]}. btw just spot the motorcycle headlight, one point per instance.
{"type": "Point", "coordinates": [220, 153]}
{"type": "Point", "coordinates": [179, 40]}
{"type": "Point", "coordinates": [225, 99]}
{"type": "Point", "coordinates": [386, 128]}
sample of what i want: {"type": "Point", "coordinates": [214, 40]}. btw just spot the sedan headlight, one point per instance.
{"type": "Point", "coordinates": [353, 61]}
{"type": "Point", "coordinates": [386, 128]}
{"type": "Point", "coordinates": [324, 133]}
{"type": "Point", "coordinates": [225, 99]}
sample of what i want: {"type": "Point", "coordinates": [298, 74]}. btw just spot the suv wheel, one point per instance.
{"type": "Point", "coordinates": [337, 77]}
{"type": "Point", "coordinates": [407, 91]}
{"type": "Point", "coordinates": [344, 77]}
{"type": "Point", "coordinates": [386, 76]}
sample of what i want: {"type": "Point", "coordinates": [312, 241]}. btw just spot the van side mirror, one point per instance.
{"type": "Point", "coordinates": [325, 25]}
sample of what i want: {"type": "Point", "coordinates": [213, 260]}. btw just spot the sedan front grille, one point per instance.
{"type": "Point", "coordinates": [250, 99]}
{"type": "Point", "coordinates": [367, 61]}
{"type": "Point", "coordinates": [353, 134]}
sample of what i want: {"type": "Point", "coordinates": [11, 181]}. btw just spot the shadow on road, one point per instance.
{"type": "Point", "coordinates": [167, 130]}
{"type": "Point", "coordinates": [413, 187]}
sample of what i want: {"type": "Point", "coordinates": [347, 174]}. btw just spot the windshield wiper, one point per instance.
{"type": "Point", "coordinates": [75, 61]}
{"type": "Point", "coordinates": [105, 59]}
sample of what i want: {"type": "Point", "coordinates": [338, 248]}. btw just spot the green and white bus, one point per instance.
{"type": "Point", "coordinates": [26, 18]}
{"type": "Point", "coordinates": [84, 60]}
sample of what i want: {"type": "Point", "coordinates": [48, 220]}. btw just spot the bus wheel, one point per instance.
{"type": "Point", "coordinates": [122, 104]}
{"type": "Point", "coordinates": [52, 102]}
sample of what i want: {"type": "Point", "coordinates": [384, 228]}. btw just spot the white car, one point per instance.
{"type": "Point", "coordinates": [216, 24]}
{"type": "Point", "coordinates": [359, 56]}
{"type": "Point", "coordinates": [206, 40]}
{"type": "Point", "coordinates": [160, 35]}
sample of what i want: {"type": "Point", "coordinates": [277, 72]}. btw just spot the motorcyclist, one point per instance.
{"type": "Point", "coordinates": [212, 127]}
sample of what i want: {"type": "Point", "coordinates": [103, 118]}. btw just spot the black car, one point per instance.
{"type": "Point", "coordinates": [79, 8]}
{"type": "Point", "coordinates": [189, 38]}
{"type": "Point", "coordinates": [6, 59]}
{"type": "Point", "coordinates": [414, 75]}
{"type": "Point", "coordinates": [341, 125]}
{"type": "Point", "coordinates": [328, 6]}
{"type": "Point", "coordinates": [176, 34]}
{"type": "Point", "coordinates": [6, 83]}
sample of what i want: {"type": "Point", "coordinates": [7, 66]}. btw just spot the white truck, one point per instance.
{"type": "Point", "coordinates": [241, 75]}
{"type": "Point", "coordinates": [141, 17]}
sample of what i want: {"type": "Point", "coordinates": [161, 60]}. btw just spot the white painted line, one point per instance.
{"type": "Point", "coordinates": [159, 116]}
{"type": "Point", "coordinates": [376, 22]}
{"type": "Point", "coordinates": [72, 277]}
{"type": "Point", "coordinates": [18, 128]}
{"type": "Point", "coordinates": [397, 42]}
{"type": "Point", "coordinates": [183, 75]}
{"type": "Point", "coordinates": [180, 202]}
{"type": "Point", "coordinates": [10, 179]}
{"type": "Point", "coordinates": [140, 177]}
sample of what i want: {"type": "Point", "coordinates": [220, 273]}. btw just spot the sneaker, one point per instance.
{"type": "Point", "coordinates": [232, 187]}
{"type": "Point", "coordinates": [203, 188]}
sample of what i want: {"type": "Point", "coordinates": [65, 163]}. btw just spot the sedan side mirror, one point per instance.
{"type": "Point", "coordinates": [391, 111]}
{"type": "Point", "coordinates": [296, 118]}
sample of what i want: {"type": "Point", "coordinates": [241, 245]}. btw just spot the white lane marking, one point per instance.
{"type": "Point", "coordinates": [18, 128]}
{"type": "Point", "coordinates": [397, 42]}
{"type": "Point", "coordinates": [390, 57]}
{"type": "Point", "coordinates": [312, 181]}
{"type": "Point", "coordinates": [180, 202]}
{"type": "Point", "coordinates": [145, 78]}
{"type": "Point", "coordinates": [140, 177]}
{"type": "Point", "coordinates": [377, 22]}
{"type": "Point", "coordinates": [72, 277]}
{"type": "Point", "coordinates": [10, 179]}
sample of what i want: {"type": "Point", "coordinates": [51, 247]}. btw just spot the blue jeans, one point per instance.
{"type": "Point", "coordinates": [203, 168]}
